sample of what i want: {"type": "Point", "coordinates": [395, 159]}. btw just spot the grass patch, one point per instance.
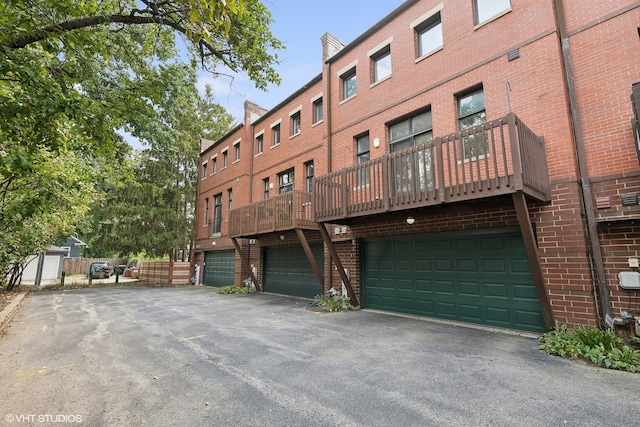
{"type": "Point", "coordinates": [234, 289]}
{"type": "Point", "coordinates": [602, 348]}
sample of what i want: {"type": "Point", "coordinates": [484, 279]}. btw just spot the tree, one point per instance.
{"type": "Point", "coordinates": [154, 212]}
{"type": "Point", "coordinates": [73, 73]}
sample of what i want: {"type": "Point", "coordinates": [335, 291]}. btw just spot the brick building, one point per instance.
{"type": "Point", "coordinates": [466, 160]}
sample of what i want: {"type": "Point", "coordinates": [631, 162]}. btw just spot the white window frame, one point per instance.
{"type": "Point", "coordinates": [377, 53]}
{"type": "Point", "coordinates": [417, 23]}
{"type": "Point", "coordinates": [296, 111]}
{"type": "Point", "coordinates": [236, 151]}
{"type": "Point", "coordinates": [346, 71]}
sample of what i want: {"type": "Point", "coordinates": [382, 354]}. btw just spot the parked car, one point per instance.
{"type": "Point", "coordinates": [100, 269]}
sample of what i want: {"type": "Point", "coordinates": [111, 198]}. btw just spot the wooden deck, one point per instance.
{"type": "Point", "coordinates": [493, 159]}
{"type": "Point", "coordinates": [283, 212]}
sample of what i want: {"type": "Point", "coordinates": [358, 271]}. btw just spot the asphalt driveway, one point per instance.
{"type": "Point", "coordinates": [189, 356]}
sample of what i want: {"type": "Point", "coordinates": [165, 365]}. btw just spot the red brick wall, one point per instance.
{"type": "Point", "coordinates": [292, 152]}
{"type": "Point", "coordinates": [605, 64]}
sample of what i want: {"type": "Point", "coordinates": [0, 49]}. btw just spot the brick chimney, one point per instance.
{"type": "Point", "coordinates": [330, 46]}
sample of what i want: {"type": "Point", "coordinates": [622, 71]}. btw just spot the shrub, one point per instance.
{"type": "Point", "coordinates": [602, 348]}
{"type": "Point", "coordinates": [332, 303]}
{"type": "Point", "coordinates": [235, 289]}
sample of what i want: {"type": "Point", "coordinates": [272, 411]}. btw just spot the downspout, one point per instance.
{"type": "Point", "coordinates": [593, 242]}
{"type": "Point", "coordinates": [328, 74]}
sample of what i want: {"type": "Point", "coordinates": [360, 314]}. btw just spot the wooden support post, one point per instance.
{"type": "Point", "coordinates": [534, 259]}
{"type": "Point", "coordinates": [245, 264]}
{"type": "Point", "coordinates": [336, 259]}
{"type": "Point", "coordinates": [310, 257]}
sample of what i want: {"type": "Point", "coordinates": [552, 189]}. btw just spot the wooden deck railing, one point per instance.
{"type": "Point", "coordinates": [283, 212]}
{"type": "Point", "coordinates": [495, 158]}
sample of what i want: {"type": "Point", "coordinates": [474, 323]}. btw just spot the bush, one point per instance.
{"type": "Point", "coordinates": [332, 303]}
{"type": "Point", "coordinates": [602, 348]}
{"type": "Point", "coordinates": [234, 289]}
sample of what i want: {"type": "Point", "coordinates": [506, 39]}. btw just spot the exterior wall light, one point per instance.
{"type": "Point", "coordinates": [410, 220]}
{"type": "Point", "coordinates": [282, 237]}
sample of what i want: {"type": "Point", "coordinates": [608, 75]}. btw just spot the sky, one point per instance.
{"type": "Point", "coordinates": [299, 25]}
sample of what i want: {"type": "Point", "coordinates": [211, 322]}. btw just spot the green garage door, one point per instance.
{"type": "Point", "coordinates": [288, 271]}
{"type": "Point", "coordinates": [479, 276]}
{"type": "Point", "coordinates": [218, 268]}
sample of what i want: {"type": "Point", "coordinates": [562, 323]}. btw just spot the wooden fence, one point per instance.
{"type": "Point", "coordinates": [73, 266]}
{"type": "Point", "coordinates": [164, 273]}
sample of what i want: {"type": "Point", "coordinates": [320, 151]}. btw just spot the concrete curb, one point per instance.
{"type": "Point", "coordinates": [7, 314]}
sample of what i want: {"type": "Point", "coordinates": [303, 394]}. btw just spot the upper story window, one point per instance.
{"type": "Point", "coordinates": [412, 171]}
{"type": "Point", "coordinates": [410, 131]}
{"type": "Point", "coordinates": [348, 81]}
{"type": "Point", "coordinates": [230, 197]}
{"type": "Point", "coordinates": [217, 214]}
{"type": "Point", "coordinates": [317, 110]}
{"type": "Point", "coordinates": [275, 135]}
{"type": "Point", "coordinates": [265, 188]}
{"type": "Point", "coordinates": [206, 211]}
{"type": "Point", "coordinates": [204, 170]}
{"type": "Point", "coordinates": [225, 159]}
{"type": "Point", "coordinates": [381, 64]}
{"type": "Point", "coordinates": [285, 181]}
{"type": "Point", "coordinates": [259, 143]}
{"type": "Point", "coordinates": [214, 165]}
{"type": "Point", "coordinates": [363, 156]}
{"type": "Point", "coordinates": [295, 123]}
{"type": "Point", "coordinates": [308, 176]}
{"type": "Point", "coordinates": [471, 112]}
{"type": "Point", "coordinates": [236, 151]}
{"type": "Point", "coordinates": [429, 37]}
{"type": "Point", "coordinates": [485, 10]}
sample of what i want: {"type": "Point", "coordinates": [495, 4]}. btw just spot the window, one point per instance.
{"type": "Point", "coordinates": [214, 165]}
{"type": "Point", "coordinates": [308, 176]}
{"type": "Point", "coordinates": [230, 196]}
{"type": "Point", "coordinates": [265, 193]}
{"type": "Point", "coordinates": [412, 171]}
{"type": "Point", "coordinates": [317, 110]}
{"type": "Point", "coordinates": [411, 131]}
{"type": "Point", "coordinates": [236, 155]}
{"type": "Point", "coordinates": [471, 112]}
{"type": "Point", "coordinates": [285, 182]}
{"type": "Point", "coordinates": [276, 135]}
{"type": "Point", "coordinates": [381, 64]}
{"type": "Point", "coordinates": [429, 35]}
{"type": "Point", "coordinates": [206, 211]}
{"type": "Point", "coordinates": [259, 143]}
{"type": "Point", "coordinates": [363, 156]}
{"type": "Point", "coordinates": [217, 214]}
{"type": "Point", "coordinates": [225, 159]}
{"type": "Point", "coordinates": [295, 123]}
{"type": "Point", "coordinates": [348, 84]}
{"type": "Point", "coordinates": [204, 170]}
{"type": "Point", "coordinates": [487, 9]}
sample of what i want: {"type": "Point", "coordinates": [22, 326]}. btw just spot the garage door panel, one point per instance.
{"type": "Point", "coordinates": [446, 310]}
{"type": "Point", "coordinates": [469, 265]}
{"type": "Point", "coordinates": [288, 271]}
{"type": "Point", "coordinates": [219, 267]}
{"type": "Point", "coordinates": [496, 290]}
{"type": "Point", "coordinates": [424, 286]}
{"type": "Point", "coordinates": [470, 289]}
{"type": "Point", "coordinates": [524, 292]}
{"type": "Point", "coordinates": [470, 313]}
{"type": "Point", "coordinates": [445, 288]}
{"type": "Point", "coordinates": [494, 265]}
{"type": "Point", "coordinates": [444, 266]}
{"type": "Point", "coordinates": [480, 276]}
